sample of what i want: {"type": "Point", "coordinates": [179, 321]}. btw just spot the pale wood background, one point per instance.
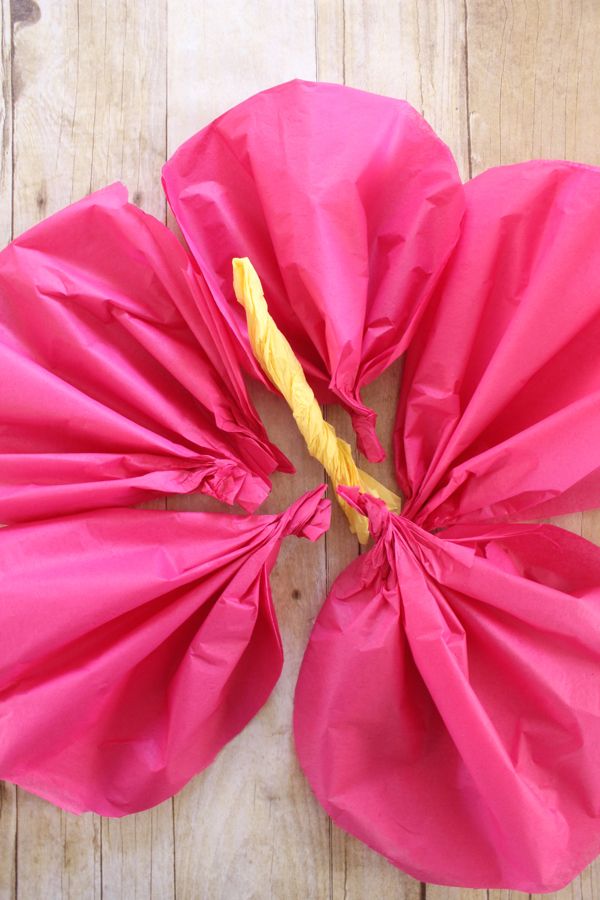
{"type": "Point", "coordinates": [93, 91]}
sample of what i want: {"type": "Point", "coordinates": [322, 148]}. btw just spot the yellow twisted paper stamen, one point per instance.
{"type": "Point", "coordinates": [279, 363]}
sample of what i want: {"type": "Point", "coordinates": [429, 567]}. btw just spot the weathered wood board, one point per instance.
{"type": "Point", "coordinates": [94, 91]}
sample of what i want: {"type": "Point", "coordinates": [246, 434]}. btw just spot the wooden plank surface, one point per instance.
{"type": "Point", "coordinates": [89, 107]}
{"type": "Point", "coordinates": [98, 91]}
{"type": "Point", "coordinates": [8, 793]}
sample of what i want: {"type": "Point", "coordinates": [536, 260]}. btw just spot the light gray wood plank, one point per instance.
{"type": "Point", "coordinates": [260, 831]}
{"type": "Point", "coordinates": [89, 108]}
{"type": "Point", "coordinates": [8, 794]}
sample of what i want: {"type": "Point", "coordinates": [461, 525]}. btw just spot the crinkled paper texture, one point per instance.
{"type": "Point", "coordinates": [118, 381]}
{"type": "Point", "coordinates": [499, 415]}
{"type": "Point", "coordinates": [348, 206]}
{"type": "Point", "coordinates": [136, 643]}
{"type": "Point", "coordinates": [448, 708]}
{"type": "Point", "coordinates": [447, 711]}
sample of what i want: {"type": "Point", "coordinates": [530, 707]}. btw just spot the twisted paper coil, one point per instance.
{"type": "Point", "coordinates": [279, 363]}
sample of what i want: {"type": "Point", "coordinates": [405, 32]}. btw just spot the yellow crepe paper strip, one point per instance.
{"type": "Point", "coordinates": [279, 363]}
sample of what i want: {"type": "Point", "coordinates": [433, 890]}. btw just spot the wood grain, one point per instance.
{"type": "Point", "coordinates": [529, 67]}
{"type": "Point", "coordinates": [412, 50]}
{"type": "Point", "coordinates": [258, 832]}
{"type": "Point", "coordinates": [89, 100]}
{"type": "Point", "coordinates": [98, 91]}
{"type": "Point", "coordinates": [534, 76]}
{"type": "Point", "coordinates": [8, 793]}
{"type": "Point", "coordinates": [89, 107]}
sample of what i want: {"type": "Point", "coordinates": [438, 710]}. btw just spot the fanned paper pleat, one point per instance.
{"type": "Point", "coordinates": [118, 381]}
{"type": "Point", "coordinates": [136, 644]}
{"type": "Point", "coordinates": [448, 707]}
{"type": "Point", "coordinates": [348, 205]}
